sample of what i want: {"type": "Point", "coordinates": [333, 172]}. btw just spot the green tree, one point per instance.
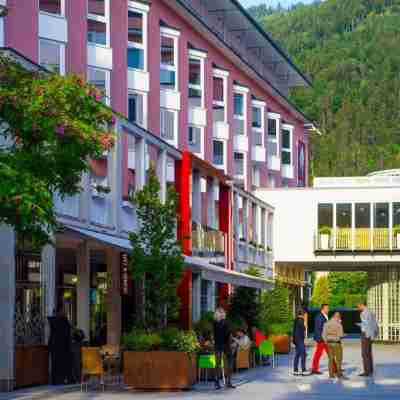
{"type": "Point", "coordinates": [156, 259]}
{"type": "Point", "coordinates": [321, 293]}
{"type": "Point", "coordinates": [244, 303]}
{"type": "Point", "coordinates": [51, 126]}
{"type": "Point", "coordinates": [275, 309]}
{"type": "Point", "coordinates": [347, 288]}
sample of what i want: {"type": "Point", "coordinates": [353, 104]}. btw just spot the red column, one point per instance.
{"type": "Point", "coordinates": [225, 225]}
{"type": "Point", "coordinates": [183, 178]}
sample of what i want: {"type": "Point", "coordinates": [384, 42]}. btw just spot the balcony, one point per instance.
{"type": "Point", "coordinates": [221, 130]}
{"type": "Point", "coordinates": [258, 154]}
{"type": "Point", "coordinates": [208, 242]}
{"type": "Point", "coordinates": [357, 240]}
{"type": "Point", "coordinates": [253, 255]}
{"type": "Point", "coordinates": [241, 143]}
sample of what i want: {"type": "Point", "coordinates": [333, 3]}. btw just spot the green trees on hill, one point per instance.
{"type": "Point", "coordinates": [350, 49]}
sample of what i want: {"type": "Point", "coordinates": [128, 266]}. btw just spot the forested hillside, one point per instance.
{"type": "Point", "coordinates": [351, 51]}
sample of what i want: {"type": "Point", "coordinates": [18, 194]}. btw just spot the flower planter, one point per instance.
{"type": "Point", "coordinates": [159, 370]}
{"type": "Point", "coordinates": [324, 241]}
{"type": "Point", "coordinates": [31, 365]}
{"type": "Point", "coordinates": [281, 343]}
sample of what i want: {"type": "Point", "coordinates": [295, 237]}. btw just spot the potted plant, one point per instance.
{"type": "Point", "coordinates": [100, 191]}
{"type": "Point", "coordinates": [160, 360]}
{"type": "Point", "coordinates": [324, 237]}
{"type": "Point", "coordinates": [396, 235]}
{"type": "Point", "coordinates": [157, 358]}
{"type": "Point", "coordinates": [274, 317]}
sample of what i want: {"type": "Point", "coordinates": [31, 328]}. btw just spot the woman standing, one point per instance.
{"type": "Point", "coordinates": [223, 348]}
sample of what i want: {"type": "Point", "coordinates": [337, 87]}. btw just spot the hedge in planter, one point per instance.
{"type": "Point", "coordinates": [165, 360]}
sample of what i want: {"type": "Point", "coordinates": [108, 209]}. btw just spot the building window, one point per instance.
{"type": "Point", "coordinates": [136, 39]}
{"type": "Point", "coordinates": [239, 113]}
{"type": "Point", "coordinates": [136, 108]}
{"type": "Point", "coordinates": [101, 79]}
{"type": "Point", "coordinates": [169, 62]}
{"type": "Point", "coordinates": [258, 125]}
{"type": "Point", "coordinates": [52, 6]}
{"type": "Point", "coordinates": [271, 181]}
{"type": "Point", "coordinates": [168, 125]}
{"type": "Point", "coordinates": [219, 99]}
{"type": "Point", "coordinates": [218, 152]}
{"type": "Point", "coordinates": [272, 127]}
{"type": "Point", "coordinates": [204, 298]}
{"type": "Point", "coordinates": [325, 215]}
{"type": "Point", "coordinates": [256, 176]}
{"type": "Point", "coordinates": [286, 146]}
{"type": "Point", "coordinates": [273, 137]}
{"type": "Point", "coordinates": [195, 140]}
{"type": "Point", "coordinates": [52, 56]}
{"type": "Point", "coordinates": [196, 82]}
{"type": "Point", "coordinates": [98, 22]}
{"type": "Point", "coordinates": [238, 159]}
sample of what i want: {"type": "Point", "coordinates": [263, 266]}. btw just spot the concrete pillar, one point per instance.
{"type": "Point", "coordinates": [49, 282]}
{"type": "Point", "coordinates": [7, 307]}
{"type": "Point", "coordinates": [211, 196]}
{"type": "Point", "coordinates": [83, 289]}
{"type": "Point", "coordinates": [196, 197]}
{"type": "Point", "coordinates": [140, 161]}
{"type": "Point", "coordinates": [113, 297]}
{"type": "Point", "coordinates": [196, 297]}
{"type": "Point", "coordinates": [162, 159]}
{"type": "Point", "coordinates": [115, 177]}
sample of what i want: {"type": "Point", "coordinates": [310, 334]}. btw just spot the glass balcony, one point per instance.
{"type": "Point", "coordinates": [357, 239]}
{"type": "Point", "coordinates": [207, 242]}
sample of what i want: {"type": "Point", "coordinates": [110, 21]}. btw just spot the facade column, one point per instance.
{"type": "Point", "coordinates": [7, 308]}
{"type": "Point", "coordinates": [49, 282]}
{"type": "Point", "coordinates": [140, 163]}
{"type": "Point", "coordinates": [196, 197]}
{"type": "Point", "coordinates": [385, 303]}
{"type": "Point", "coordinates": [162, 173]}
{"type": "Point", "coordinates": [196, 297]}
{"type": "Point", "coordinates": [211, 196]}
{"type": "Point", "coordinates": [83, 288]}
{"type": "Point", "coordinates": [113, 297]}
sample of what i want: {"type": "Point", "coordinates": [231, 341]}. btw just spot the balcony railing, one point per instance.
{"type": "Point", "coordinates": [253, 255]}
{"type": "Point", "coordinates": [207, 242]}
{"type": "Point", "coordinates": [358, 239]}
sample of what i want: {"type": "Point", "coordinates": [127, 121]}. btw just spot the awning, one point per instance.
{"type": "Point", "coordinates": [196, 264]}
{"type": "Point", "coordinates": [116, 241]}
{"type": "Point", "coordinates": [222, 275]}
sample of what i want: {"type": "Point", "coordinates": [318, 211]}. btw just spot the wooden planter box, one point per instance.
{"type": "Point", "coordinates": [31, 366]}
{"type": "Point", "coordinates": [159, 370]}
{"type": "Point", "coordinates": [281, 343]}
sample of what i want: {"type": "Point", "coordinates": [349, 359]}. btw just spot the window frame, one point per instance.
{"type": "Point", "coordinates": [198, 56]}
{"type": "Point", "coordinates": [261, 106]}
{"type": "Point", "coordinates": [61, 50]}
{"type": "Point", "coordinates": [144, 103]}
{"type": "Point", "coordinates": [144, 11]}
{"type": "Point", "coordinates": [62, 14]}
{"type": "Point", "coordinates": [221, 74]}
{"type": "Point", "coordinates": [174, 35]}
{"type": "Point", "coordinates": [223, 164]}
{"type": "Point", "coordinates": [173, 141]}
{"type": "Point", "coordinates": [290, 129]}
{"type": "Point", "coordinates": [242, 91]}
{"type": "Point", "coordinates": [108, 81]}
{"type": "Point", "coordinates": [99, 18]}
{"type": "Point", "coordinates": [275, 139]}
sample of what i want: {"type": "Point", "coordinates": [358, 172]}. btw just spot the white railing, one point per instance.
{"type": "Point", "coordinates": [357, 181]}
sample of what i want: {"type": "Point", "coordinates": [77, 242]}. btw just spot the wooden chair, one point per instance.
{"type": "Point", "coordinates": [92, 365]}
{"type": "Point", "coordinates": [243, 359]}
{"type": "Point", "coordinates": [112, 361]}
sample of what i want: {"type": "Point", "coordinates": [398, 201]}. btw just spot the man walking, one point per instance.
{"type": "Point", "coordinates": [299, 331]}
{"type": "Point", "coordinates": [321, 346]}
{"type": "Point", "coordinates": [332, 335]}
{"type": "Point", "coordinates": [369, 330]}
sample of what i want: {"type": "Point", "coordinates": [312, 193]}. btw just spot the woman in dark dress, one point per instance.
{"type": "Point", "coordinates": [60, 349]}
{"type": "Point", "coordinates": [223, 348]}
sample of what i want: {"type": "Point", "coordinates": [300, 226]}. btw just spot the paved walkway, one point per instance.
{"type": "Point", "coordinates": [267, 383]}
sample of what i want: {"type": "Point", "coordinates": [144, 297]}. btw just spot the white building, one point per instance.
{"type": "Point", "coordinates": [344, 224]}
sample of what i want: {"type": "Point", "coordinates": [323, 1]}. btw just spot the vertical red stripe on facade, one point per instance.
{"type": "Point", "coordinates": [183, 177]}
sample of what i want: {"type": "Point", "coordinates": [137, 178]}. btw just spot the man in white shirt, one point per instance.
{"type": "Point", "coordinates": [369, 331]}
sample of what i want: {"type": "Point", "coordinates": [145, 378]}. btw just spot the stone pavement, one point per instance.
{"type": "Point", "coordinates": [267, 383]}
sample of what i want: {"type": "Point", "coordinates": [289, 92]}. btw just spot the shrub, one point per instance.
{"type": "Point", "coordinates": [204, 327]}
{"type": "Point", "coordinates": [139, 340]}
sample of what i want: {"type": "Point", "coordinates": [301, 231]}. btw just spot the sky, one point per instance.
{"type": "Point", "coordinates": [285, 3]}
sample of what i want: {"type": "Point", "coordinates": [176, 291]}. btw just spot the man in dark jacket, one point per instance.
{"type": "Point", "coordinates": [223, 349]}
{"type": "Point", "coordinates": [299, 331]}
{"type": "Point", "coordinates": [321, 346]}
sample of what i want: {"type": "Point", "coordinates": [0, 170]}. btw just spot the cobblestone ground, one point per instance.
{"type": "Point", "coordinates": [267, 383]}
